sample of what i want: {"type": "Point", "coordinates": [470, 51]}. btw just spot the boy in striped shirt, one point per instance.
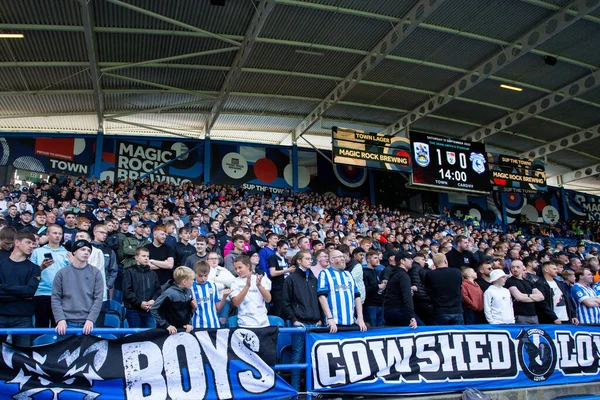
{"type": "Point", "coordinates": [339, 295]}
{"type": "Point", "coordinates": [588, 303]}
{"type": "Point", "coordinates": [206, 296]}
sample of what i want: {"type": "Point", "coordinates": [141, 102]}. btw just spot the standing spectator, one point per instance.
{"type": "Point", "coordinates": [7, 240]}
{"type": "Point", "coordinates": [200, 255]}
{"type": "Point", "coordinates": [556, 307]}
{"type": "Point", "coordinates": [472, 297]}
{"type": "Point", "coordinates": [173, 309]}
{"type": "Point", "coordinates": [51, 258]}
{"type": "Point", "coordinates": [374, 287]}
{"type": "Point", "coordinates": [398, 307]}
{"type": "Point", "coordinates": [70, 228]}
{"type": "Point", "coordinates": [206, 295]}
{"type": "Point", "coordinates": [339, 295]}
{"type": "Point", "coordinates": [524, 295]}
{"type": "Point", "coordinates": [183, 248]}
{"type": "Point", "coordinates": [322, 262]}
{"type": "Point", "coordinates": [19, 280]}
{"type": "Point", "coordinates": [485, 269]}
{"type": "Point", "coordinates": [421, 299]}
{"type": "Point", "coordinates": [444, 286]}
{"type": "Point", "coordinates": [267, 251]}
{"type": "Point", "coordinates": [250, 293]}
{"type": "Point", "coordinates": [140, 291]}
{"type": "Point", "coordinates": [211, 245]}
{"type": "Point", "coordinates": [222, 278]}
{"type": "Point", "coordinates": [497, 302]}
{"type": "Point", "coordinates": [132, 243]}
{"type": "Point", "coordinates": [162, 257]}
{"type": "Point", "coordinates": [109, 263]}
{"type": "Point", "coordinates": [460, 256]}
{"type": "Point", "coordinates": [278, 270]}
{"type": "Point", "coordinates": [355, 267]}
{"type": "Point", "coordinates": [300, 305]}
{"type": "Point", "coordinates": [588, 302]}
{"type": "Point", "coordinates": [531, 267]}
{"type": "Point", "coordinates": [238, 249]}
{"type": "Point", "coordinates": [77, 292]}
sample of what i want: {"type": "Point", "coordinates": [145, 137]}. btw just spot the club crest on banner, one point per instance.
{"type": "Point", "coordinates": [537, 354]}
{"type": "Point", "coordinates": [422, 154]}
{"type": "Point", "coordinates": [451, 157]}
{"type": "Point", "coordinates": [478, 162]}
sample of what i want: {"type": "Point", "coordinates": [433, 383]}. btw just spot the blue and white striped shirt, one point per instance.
{"type": "Point", "coordinates": [585, 314]}
{"type": "Point", "coordinates": [207, 296]}
{"type": "Point", "coordinates": [341, 289]}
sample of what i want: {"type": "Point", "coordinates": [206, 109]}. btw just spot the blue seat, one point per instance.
{"type": "Point", "coordinates": [232, 322]}
{"type": "Point", "coordinates": [112, 321]}
{"type": "Point", "coordinates": [118, 296]}
{"type": "Point", "coordinates": [276, 321]}
{"type": "Point", "coordinates": [46, 339]}
{"type": "Point", "coordinates": [115, 306]}
{"type": "Point", "coordinates": [104, 336]}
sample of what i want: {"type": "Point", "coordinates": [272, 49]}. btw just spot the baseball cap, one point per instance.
{"type": "Point", "coordinates": [497, 274]}
{"type": "Point", "coordinates": [402, 254]}
{"type": "Point", "coordinates": [358, 250]}
{"type": "Point", "coordinates": [137, 224]}
{"type": "Point", "coordinates": [580, 244]}
{"type": "Point", "coordinates": [210, 235]}
{"type": "Point", "coordinates": [80, 244]}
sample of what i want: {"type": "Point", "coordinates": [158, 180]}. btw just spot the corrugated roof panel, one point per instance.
{"type": "Point", "coordinates": [507, 141]}
{"type": "Point", "coordinates": [115, 102]}
{"type": "Point", "coordinates": [574, 42]}
{"type": "Point", "coordinates": [55, 12]}
{"type": "Point", "coordinates": [169, 120]}
{"type": "Point", "coordinates": [592, 95]}
{"type": "Point", "coordinates": [246, 136]}
{"type": "Point", "coordinates": [391, 8]}
{"type": "Point", "coordinates": [233, 18]}
{"type": "Point", "coordinates": [538, 128]}
{"type": "Point", "coordinates": [571, 159]}
{"type": "Point", "coordinates": [489, 91]}
{"type": "Point", "coordinates": [269, 105]}
{"type": "Point", "coordinates": [590, 146]}
{"type": "Point", "coordinates": [323, 27]}
{"type": "Point", "coordinates": [386, 97]}
{"type": "Point", "coordinates": [351, 113]}
{"type": "Point", "coordinates": [445, 48]}
{"type": "Point", "coordinates": [441, 127]}
{"type": "Point", "coordinates": [470, 112]}
{"type": "Point", "coordinates": [286, 58]}
{"type": "Point", "coordinates": [286, 85]}
{"type": "Point", "coordinates": [45, 104]}
{"type": "Point", "coordinates": [505, 19]}
{"type": "Point", "coordinates": [574, 113]}
{"type": "Point", "coordinates": [413, 75]}
{"type": "Point", "coordinates": [64, 123]}
{"type": "Point", "coordinates": [257, 123]}
{"type": "Point", "coordinates": [189, 79]}
{"type": "Point", "coordinates": [33, 79]}
{"type": "Point", "coordinates": [532, 69]}
{"type": "Point", "coordinates": [45, 46]}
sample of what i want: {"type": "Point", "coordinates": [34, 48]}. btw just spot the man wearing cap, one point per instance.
{"type": "Point", "coordinates": [524, 294]}
{"type": "Point", "coordinates": [398, 307]}
{"type": "Point", "coordinates": [77, 292]}
{"type": "Point", "coordinates": [580, 250]}
{"type": "Point", "coordinates": [497, 302]}
{"type": "Point", "coordinates": [444, 286]}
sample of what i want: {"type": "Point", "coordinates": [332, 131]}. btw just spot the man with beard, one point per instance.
{"type": "Point", "coordinates": [398, 307]}
{"type": "Point", "coordinates": [162, 257]}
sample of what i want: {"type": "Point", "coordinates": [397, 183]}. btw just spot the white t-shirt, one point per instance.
{"type": "Point", "coordinates": [497, 305]}
{"type": "Point", "coordinates": [252, 313]}
{"type": "Point", "coordinates": [560, 303]}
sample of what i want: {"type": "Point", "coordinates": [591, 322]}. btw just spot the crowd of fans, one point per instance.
{"type": "Point", "coordinates": [190, 256]}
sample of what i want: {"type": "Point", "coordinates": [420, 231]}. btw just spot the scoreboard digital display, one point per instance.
{"type": "Point", "coordinates": [451, 164]}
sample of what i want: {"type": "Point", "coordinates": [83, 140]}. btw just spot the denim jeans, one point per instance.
{"type": "Point", "coordinates": [298, 355]}
{"type": "Point", "coordinates": [374, 315]}
{"type": "Point", "coordinates": [449, 319]}
{"type": "Point", "coordinates": [7, 321]}
{"type": "Point", "coordinates": [139, 319]}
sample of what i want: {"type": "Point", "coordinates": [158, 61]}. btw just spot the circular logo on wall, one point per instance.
{"type": "Point", "coordinates": [234, 165]}
{"type": "Point", "coordinates": [537, 354]}
{"type": "Point", "coordinates": [550, 215]}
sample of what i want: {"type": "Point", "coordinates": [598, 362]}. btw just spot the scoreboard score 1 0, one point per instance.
{"type": "Point", "coordinates": [451, 164]}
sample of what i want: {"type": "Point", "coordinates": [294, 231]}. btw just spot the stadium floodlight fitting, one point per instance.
{"type": "Point", "coordinates": [516, 89]}
{"type": "Point", "coordinates": [549, 60]}
{"type": "Point", "coordinates": [11, 36]}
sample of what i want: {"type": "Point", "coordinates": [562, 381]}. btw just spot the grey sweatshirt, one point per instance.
{"type": "Point", "coordinates": [77, 294]}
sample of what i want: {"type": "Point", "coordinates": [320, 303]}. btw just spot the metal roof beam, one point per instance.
{"type": "Point", "coordinates": [400, 31]}
{"type": "Point", "coordinates": [158, 109]}
{"type": "Point", "coordinates": [580, 86]}
{"type": "Point", "coordinates": [565, 143]}
{"type": "Point", "coordinates": [535, 37]}
{"type": "Point", "coordinates": [171, 58]}
{"type": "Point", "coordinates": [159, 85]}
{"type": "Point", "coordinates": [261, 14]}
{"type": "Point", "coordinates": [87, 15]}
{"type": "Point", "coordinates": [173, 21]}
{"type": "Point", "coordinates": [581, 173]}
{"type": "Point", "coordinates": [152, 128]}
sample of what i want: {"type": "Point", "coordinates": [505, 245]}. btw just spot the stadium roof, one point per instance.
{"type": "Point", "coordinates": [277, 71]}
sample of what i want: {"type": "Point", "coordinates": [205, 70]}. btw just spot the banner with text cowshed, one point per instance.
{"type": "Point", "coordinates": [447, 359]}
{"type": "Point", "coordinates": [215, 364]}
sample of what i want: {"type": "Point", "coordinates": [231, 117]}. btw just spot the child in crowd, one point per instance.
{"type": "Point", "coordinates": [206, 296]}
{"type": "Point", "coordinates": [174, 307]}
{"type": "Point", "coordinates": [140, 291]}
{"type": "Point", "coordinates": [472, 296]}
{"type": "Point", "coordinates": [250, 293]}
{"type": "Point", "coordinates": [497, 300]}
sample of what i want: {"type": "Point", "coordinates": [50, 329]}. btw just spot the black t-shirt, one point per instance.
{"type": "Point", "coordinates": [483, 284]}
{"type": "Point", "coordinates": [524, 287]}
{"type": "Point", "coordinates": [460, 260]}
{"type": "Point", "coordinates": [444, 288]}
{"type": "Point", "coordinates": [161, 254]}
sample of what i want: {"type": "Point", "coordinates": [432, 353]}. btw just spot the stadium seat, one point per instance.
{"type": "Point", "coordinates": [46, 339]}
{"type": "Point", "coordinates": [118, 296]}
{"type": "Point", "coordinates": [276, 321]}
{"type": "Point", "coordinates": [117, 307]}
{"type": "Point", "coordinates": [232, 322]}
{"type": "Point", "coordinates": [112, 321]}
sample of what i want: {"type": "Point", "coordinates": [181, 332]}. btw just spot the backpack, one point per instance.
{"type": "Point", "coordinates": [474, 394]}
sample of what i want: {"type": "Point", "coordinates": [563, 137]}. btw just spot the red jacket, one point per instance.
{"type": "Point", "coordinates": [472, 295]}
